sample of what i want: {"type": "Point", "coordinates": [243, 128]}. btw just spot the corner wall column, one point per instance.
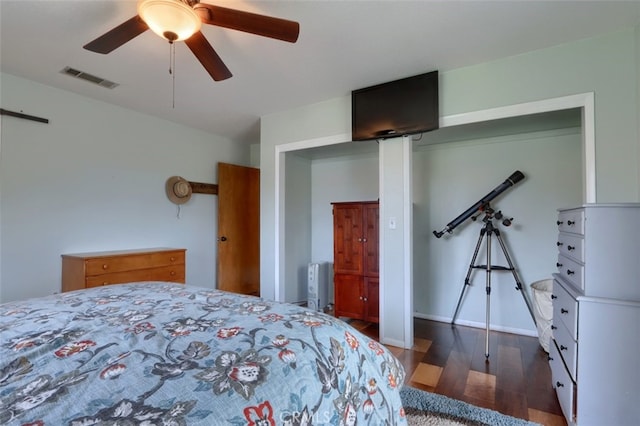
{"type": "Point", "coordinates": [396, 242]}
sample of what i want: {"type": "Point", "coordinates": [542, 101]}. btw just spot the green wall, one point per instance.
{"type": "Point", "coordinates": [606, 65]}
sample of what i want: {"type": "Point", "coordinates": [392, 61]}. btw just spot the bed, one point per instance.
{"type": "Point", "coordinates": [158, 353]}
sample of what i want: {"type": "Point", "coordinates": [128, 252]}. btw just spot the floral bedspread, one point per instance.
{"type": "Point", "coordinates": [169, 354]}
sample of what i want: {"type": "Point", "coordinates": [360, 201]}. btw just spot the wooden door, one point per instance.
{"type": "Point", "coordinates": [238, 229]}
{"type": "Point", "coordinates": [347, 238]}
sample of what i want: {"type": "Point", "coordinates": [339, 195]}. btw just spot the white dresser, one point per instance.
{"type": "Point", "coordinates": [595, 355]}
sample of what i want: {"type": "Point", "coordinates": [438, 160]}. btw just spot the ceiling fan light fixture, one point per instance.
{"type": "Point", "coordinates": [172, 20]}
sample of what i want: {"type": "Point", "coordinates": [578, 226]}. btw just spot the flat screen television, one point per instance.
{"type": "Point", "coordinates": [401, 107]}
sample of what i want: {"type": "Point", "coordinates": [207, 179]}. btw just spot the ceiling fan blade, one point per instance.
{"type": "Point", "coordinates": [118, 36]}
{"type": "Point", "coordinates": [208, 57]}
{"type": "Point", "coordinates": [266, 26]}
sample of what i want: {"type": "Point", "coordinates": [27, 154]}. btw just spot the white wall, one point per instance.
{"type": "Point", "coordinates": [93, 179]}
{"type": "Point", "coordinates": [297, 221]}
{"type": "Point", "coordinates": [346, 178]}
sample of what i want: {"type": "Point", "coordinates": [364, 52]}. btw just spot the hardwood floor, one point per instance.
{"type": "Point", "coordinates": [516, 380]}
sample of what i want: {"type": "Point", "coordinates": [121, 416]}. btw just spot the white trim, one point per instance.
{"type": "Point", "coordinates": [589, 147]}
{"type": "Point", "coordinates": [407, 154]}
{"type": "Point", "coordinates": [381, 268]}
{"type": "Point", "coordinates": [474, 324]}
{"type": "Point", "coordinates": [394, 342]}
{"type": "Point", "coordinates": [313, 143]}
{"type": "Point", "coordinates": [276, 251]}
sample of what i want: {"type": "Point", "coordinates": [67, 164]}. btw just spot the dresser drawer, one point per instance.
{"type": "Point", "coordinates": [571, 271]}
{"type": "Point", "coordinates": [568, 348]}
{"type": "Point", "coordinates": [565, 310]}
{"type": "Point", "coordinates": [165, 273]}
{"type": "Point", "coordinates": [111, 264]}
{"type": "Point", "coordinates": [82, 270]}
{"type": "Point", "coordinates": [561, 381]}
{"type": "Point", "coordinates": [571, 221]}
{"type": "Point", "coordinates": [571, 245]}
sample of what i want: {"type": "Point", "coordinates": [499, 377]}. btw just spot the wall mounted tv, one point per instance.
{"type": "Point", "coordinates": [401, 107]}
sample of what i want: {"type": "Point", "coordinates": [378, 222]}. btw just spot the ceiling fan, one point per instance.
{"type": "Point", "coordinates": [177, 20]}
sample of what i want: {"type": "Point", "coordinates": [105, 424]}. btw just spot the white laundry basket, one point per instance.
{"type": "Point", "coordinates": [543, 310]}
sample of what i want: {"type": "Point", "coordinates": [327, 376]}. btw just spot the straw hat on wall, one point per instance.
{"type": "Point", "coordinates": [178, 190]}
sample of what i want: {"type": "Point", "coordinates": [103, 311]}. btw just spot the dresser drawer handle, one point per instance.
{"type": "Point", "coordinates": [105, 266]}
{"type": "Point", "coordinates": [173, 273]}
{"type": "Point", "coordinates": [558, 265]}
{"type": "Point", "coordinates": [571, 222]}
{"type": "Point", "coordinates": [553, 327]}
{"type": "Point", "coordinates": [559, 385]}
{"type": "Point", "coordinates": [173, 259]}
{"type": "Point", "coordinates": [570, 248]}
{"type": "Point", "coordinates": [563, 348]}
{"type": "Point", "coordinates": [549, 358]}
{"type": "Point", "coordinates": [570, 272]}
{"type": "Point", "coordinates": [559, 222]}
{"type": "Point", "coordinates": [563, 311]}
{"type": "Point", "coordinates": [559, 244]}
{"type": "Point", "coordinates": [553, 296]}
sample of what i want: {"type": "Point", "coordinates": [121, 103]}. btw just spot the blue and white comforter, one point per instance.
{"type": "Point", "coordinates": [169, 354]}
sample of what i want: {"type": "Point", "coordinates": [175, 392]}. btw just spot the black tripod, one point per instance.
{"type": "Point", "coordinates": [487, 231]}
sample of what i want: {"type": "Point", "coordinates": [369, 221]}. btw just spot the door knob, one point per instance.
{"type": "Point", "coordinates": [222, 238]}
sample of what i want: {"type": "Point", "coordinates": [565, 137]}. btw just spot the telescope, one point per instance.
{"type": "Point", "coordinates": [515, 177]}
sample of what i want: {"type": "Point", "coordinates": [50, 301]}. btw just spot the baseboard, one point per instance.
{"type": "Point", "coordinates": [392, 342]}
{"type": "Point", "coordinates": [474, 324]}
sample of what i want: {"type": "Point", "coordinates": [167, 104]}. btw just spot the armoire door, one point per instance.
{"type": "Point", "coordinates": [347, 237]}
{"type": "Point", "coordinates": [371, 223]}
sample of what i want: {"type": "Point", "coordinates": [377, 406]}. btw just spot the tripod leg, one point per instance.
{"type": "Point", "coordinates": [515, 276]}
{"type": "Point", "coordinates": [466, 279]}
{"type": "Point", "coordinates": [488, 289]}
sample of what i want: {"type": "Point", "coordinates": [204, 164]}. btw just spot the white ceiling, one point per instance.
{"type": "Point", "coordinates": [343, 45]}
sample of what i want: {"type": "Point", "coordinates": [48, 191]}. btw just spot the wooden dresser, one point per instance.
{"type": "Point", "coordinates": [596, 313]}
{"type": "Point", "coordinates": [84, 270]}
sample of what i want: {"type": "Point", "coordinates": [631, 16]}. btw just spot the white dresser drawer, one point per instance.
{"type": "Point", "coordinates": [565, 310]}
{"type": "Point", "coordinates": [562, 382]}
{"type": "Point", "coordinates": [571, 221]}
{"type": "Point", "coordinates": [568, 348]}
{"type": "Point", "coordinates": [596, 312]}
{"type": "Point", "coordinates": [571, 271]}
{"type": "Point", "coordinates": [571, 245]}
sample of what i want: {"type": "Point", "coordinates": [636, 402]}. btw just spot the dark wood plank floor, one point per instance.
{"type": "Point", "coordinates": [516, 379]}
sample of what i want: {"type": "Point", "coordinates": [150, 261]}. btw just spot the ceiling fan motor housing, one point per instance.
{"type": "Point", "coordinates": [170, 19]}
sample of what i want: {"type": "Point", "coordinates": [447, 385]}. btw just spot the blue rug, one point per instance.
{"type": "Point", "coordinates": [426, 408]}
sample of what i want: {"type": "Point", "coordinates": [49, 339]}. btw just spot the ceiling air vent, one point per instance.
{"type": "Point", "coordinates": [88, 77]}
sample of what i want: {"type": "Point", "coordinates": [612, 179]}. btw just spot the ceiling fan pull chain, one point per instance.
{"type": "Point", "coordinates": [172, 72]}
